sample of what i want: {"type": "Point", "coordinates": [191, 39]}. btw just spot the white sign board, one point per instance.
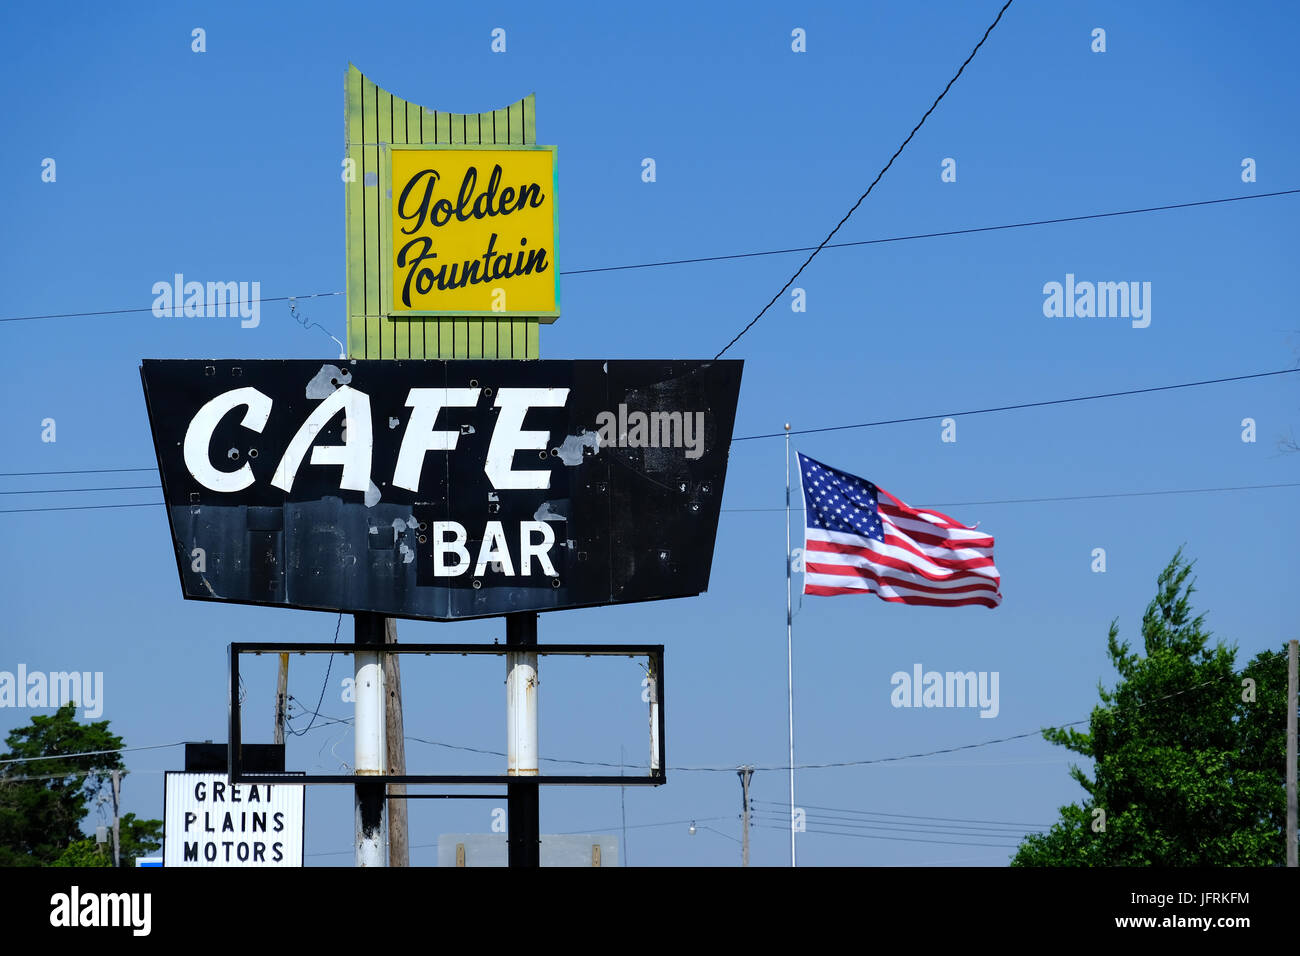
{"type": "Point", "coordinates": [208, 821]}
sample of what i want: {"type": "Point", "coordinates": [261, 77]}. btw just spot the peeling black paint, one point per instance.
{"type": "Point", "coordinates": [631, 524]}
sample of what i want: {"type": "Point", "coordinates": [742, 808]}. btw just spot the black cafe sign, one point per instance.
{"type": "Point", "coordinates": [442, 490]}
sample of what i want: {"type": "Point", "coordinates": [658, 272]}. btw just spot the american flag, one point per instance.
{"type": "Point", "coordinates": [860, 539]}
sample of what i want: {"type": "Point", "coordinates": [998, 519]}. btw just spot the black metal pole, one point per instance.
{"type": "Point", "coordinates": [523, 821]}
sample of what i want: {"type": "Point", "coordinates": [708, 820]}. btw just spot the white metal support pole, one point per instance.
{"type": "Point", "coordinates": [371, 746]}
{"type": "Point", "coordinates": [523, 835]}
{"type": "Point", "coordinates": [1292, 686]}
{"type": "Point", "coordinates": [789, 635]}
{"type": "Point", "coordinates": [521, 714]}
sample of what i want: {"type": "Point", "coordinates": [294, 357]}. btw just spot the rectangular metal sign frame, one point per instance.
{"type": "Point", "coordinates": [654, 652]}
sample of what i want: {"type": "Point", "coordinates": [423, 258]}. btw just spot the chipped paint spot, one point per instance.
{"type": "Point", "coordinates": [324, 383]}
{"type": "Point", "coordinates": [571, 450]}
{"type": "Point", "coordinates": [411, 522]}
{"type": "Point", "coordinates": [407, 554]}
{"type": "Point", "coordinates": [393, 422]}
{"type": "Point", "coordinates": [372, 496]}
{"type": "Point", "coordinates": [545, 513]}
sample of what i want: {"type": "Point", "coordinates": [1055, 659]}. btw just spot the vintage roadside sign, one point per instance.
{"type": "Point", "coordinates": [478, 275]}
{"type": "Point", "coordinates": [442, 490]}
{"type": "Point", "coordinates": [473, 231]}
{"type": "Point", "coordinates": [209, 821]}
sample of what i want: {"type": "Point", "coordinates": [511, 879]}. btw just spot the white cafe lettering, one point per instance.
{"type": "Point", "coordinates": [420, 437]}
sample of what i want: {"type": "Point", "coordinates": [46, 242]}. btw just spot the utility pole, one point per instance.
{"type": "Point", "coordinates": [399, 853]}
{"type": "Point", "coordinates": [523, 835]}
{"type": "Point", "coordinates": [371, 752]}
{"type": "Point", "coordinates": [745, 773]}
{"type": "Point", "coordinates": [281, 699]}
{"type": "Point", "coordinates": [1292, 686]}
{"type": "Point", "coordinates": [117, 836]}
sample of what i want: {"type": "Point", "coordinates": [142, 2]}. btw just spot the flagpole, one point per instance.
{"type": "Point", "coordinates": [789, 635]}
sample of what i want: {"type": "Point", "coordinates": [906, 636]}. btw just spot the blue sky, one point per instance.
{"type": "Point", "coordinates": [225, 165]}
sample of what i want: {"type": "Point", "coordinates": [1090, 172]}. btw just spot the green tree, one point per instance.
{"type": "Point", "coordinates": [45, 796]}
{"type": "Point", "coordinates": [1188, 755]}
{"type": "Point", "coordinates": [85, 853]}
{"type": "Point", "coordinates": [138, 837]}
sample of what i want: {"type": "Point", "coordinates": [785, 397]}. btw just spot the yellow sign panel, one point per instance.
{"type": "Point", "coordinates": [474, 231]}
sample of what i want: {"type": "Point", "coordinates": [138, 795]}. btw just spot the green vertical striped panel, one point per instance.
{"type": "Point", "coordinates": [356, 263]}
{"type": "Point", "coordinates": [374, 121]}
{"type": "Point", "coordinates": [411, 128]}
{"type": "Point", "coordinates": [384, 137]}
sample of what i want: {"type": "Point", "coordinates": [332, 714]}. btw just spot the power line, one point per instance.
{"type": "Point", "coordinates": [764, 826]}
{"type": "Point", "coordinates": [694, 260]}
{"type": "Point", "coordinates": [64, 491]}
{"type": "Point", "coordinates": [909, 816]}
{"type": "Point", "coordinates": [731, 768]}
{"type": "Point", "coordinates": [642, 826]}
{"type": "Point", "coordinates": [829, 428]}
{"type": "Point", "coordinates": [635, 826]}
{"type": "Point", "coordinates": [771, 816]}
{"type": "Point", "coordinates": [90, 753]}
{"type": "Point", "coordinates": [82, 471]}
{"type": "Point", "coordinates": [325, 684]}
{"type": "Point", "coordinates": [810, 258]}
{"type": "Point", "coordinates": [1020, 501]}
{"type": "Point", "coordinates": [877, 760]}
{"type": "Point", "coordinates": [142, 504]}
{"type": "Point", "coordinates": [1009, 408]}
{"type": "Point", "coordinates": [93, 772]}
{"type": "Point", "coordinates": [929, 235]}
{"type": "Point", "coordinates": [78, 315]}
{"type": "Point", "coordinates": [983, 743]}
{"type": "Point", "coordinates": [936, 504]}
{"type": "Point", "coordinates": [869, 836]}
{"type": "Point", "coordinates": [879, 175]}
